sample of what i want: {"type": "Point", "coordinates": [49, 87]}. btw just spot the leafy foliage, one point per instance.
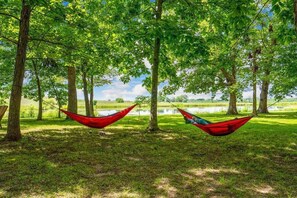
{"type": "Point", "coordinates": [119, 100]}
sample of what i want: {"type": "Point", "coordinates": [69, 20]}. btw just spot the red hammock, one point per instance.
{"type": "Point", "coordinates": [98, 122]}
{"type": "Point", "coordinates": [219, 128]}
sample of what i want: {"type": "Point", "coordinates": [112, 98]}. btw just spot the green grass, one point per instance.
{"type": "Point", "coordinates": [58, 158]}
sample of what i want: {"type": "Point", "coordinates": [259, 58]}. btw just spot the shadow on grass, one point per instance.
{"type": "Point", "coordinates": [54, 160]}
{"type": "Point", "coordinates": [80, 162]}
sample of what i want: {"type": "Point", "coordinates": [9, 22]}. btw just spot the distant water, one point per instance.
{"type": "Point", "coordinates": [170, 111]}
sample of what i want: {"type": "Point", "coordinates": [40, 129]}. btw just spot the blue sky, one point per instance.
{"type": "Point", "coordinates": [118, 89]}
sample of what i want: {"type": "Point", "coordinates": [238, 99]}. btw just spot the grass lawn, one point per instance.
{"type": "Point", "coordinates": [58, 158]}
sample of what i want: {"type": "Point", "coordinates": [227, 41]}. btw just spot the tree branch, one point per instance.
{"type": "Point", "coordinates": [9, 15]}
{"type": "Point", "coordinates": [229, 78]}
{"type": "Point", "coordinates": [50, 42]}
{"type": "Point", "coordinates": [8, 39]}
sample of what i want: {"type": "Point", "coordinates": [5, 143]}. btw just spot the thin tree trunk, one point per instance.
{"type": "Point", "coordinates": [254, 93]}
{"type": "Point", "coordinates": [85, 89]}
{"type": "Point", "coordinates": [13, 128]}
{"type": "Point", "coordinates": [254, 79]}
{"type": "Point", "coordinates": [57, 97]}
{"type": "Point", "coordinates": [153, 124]}
{"type": "Point", "coordinates": [295, 14]}
{"type": "Point", "coordinates": [59, 112]}
{"type": "Point", "coordinates": [92, 96]}
{"type": "Point", "coordinates": [232, 109]}
{"type": "Point", "coordinates": [72, 95]}
{"type": "Point", "coordinates": [39, 92]}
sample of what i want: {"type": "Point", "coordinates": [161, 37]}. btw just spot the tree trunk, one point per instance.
{"type": "Point", "coordinates": [153, 124]}
{"type": "Point", "coordinates": [92, 96]}
{"type": "Point", "coordinates": [254, 93]}
{"type": "Point", "coordinates": [263, 106]}
{"type": "Point", "coordinates": [295, 14]}
{"type": "Point", "coordinates": [13, 128]}
{"type": "Point", "coordinates": [254, 80]}
{"type": "Point", "coordinates": [72, 95]}
{"type": "Point", "coordinates": [231, 80]}
{"type": "Point", "coordinates": [232, 109]}
{"type": "Point", "coordinates": [39, 92]}
{"type": "Point", "coordinates": [59, 112]}
{"type": "Point", "coordinates": [86, 95]}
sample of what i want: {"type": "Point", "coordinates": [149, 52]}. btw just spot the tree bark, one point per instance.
{"type": "Point", "coordinates": [153, 124]}
{"type": "Point", "coordinates": [295, 14]}
{"type": "Point", "coordinates": [232, 109]}
{"type": "Point", "coordinates": [231, 80]}
{"type": "Point", "coordinates": [72, 95]}
{"type": "Point", "coordinates": [13, 128]}
{"type": "Point", "coordinates": [60, 106]}
{"type": "Point", "coordinates": [92, 96]}
{"type": "Point", "coordinates": [86, 94]}
{"type": "Point", "coordinates": [254, 79]}
{"type": "Point", "coordinates": [263, 106]}
{"type": "Point", "coordinates": [254, 92]}
{"type": "Point", "coordinates": [39, 92]}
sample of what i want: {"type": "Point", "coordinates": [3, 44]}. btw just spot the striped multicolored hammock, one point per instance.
{"type": "Point", "coordinates": [215, 129]}
{"type": "Point", "coordinates": [98, 122]}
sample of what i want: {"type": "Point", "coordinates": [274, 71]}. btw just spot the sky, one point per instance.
{"type": "Point", "coordinates": [118, 89]}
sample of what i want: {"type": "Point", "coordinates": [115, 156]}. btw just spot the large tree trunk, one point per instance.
{"type": "Point", "coordinates": [13, 128]}
{"type": "Point", "coordinates": [86, 94]}
{"type": "Point", "coordinates": [232, 109]}
{"type": "Point", "coordinates": [231, 80]}
{"type": "Point", "coordinates": [153, 124]}
{"type": "Point", "coordinates": [263, 104]}
{"type": "Point", "coordinates": [92, 96]}
{"type": "Point", "coordinates": [39, 92]}
{"type": "Point", "coordinates": [72, 95]}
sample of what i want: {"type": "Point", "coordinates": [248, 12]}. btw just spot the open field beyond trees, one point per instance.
{"type": "Point", "coordinates": [29, 108]}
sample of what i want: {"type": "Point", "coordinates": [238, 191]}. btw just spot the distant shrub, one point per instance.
{"type": "Point", "coordinates": [119, 100]}
{"type": "Point", "coordinates": [28, 112]}
{"type": "Point", "coordinates": [50, 114]}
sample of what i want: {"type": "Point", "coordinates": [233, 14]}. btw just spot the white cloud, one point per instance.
{"type": "Point", "coordinates": [125, 92]}
{"type": "Point", "coordinates": [80, 93]}
{"type": "Point", "coordinates": [249, 93]}
{"type": "Point", "coordinates": [139, 90]}
{"type": "Point", "coordinates": [147, 63]}
{"type": "Point", "coordinates": [120, 85]}
{"type": "Point", "coordinates": [190, 95]}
